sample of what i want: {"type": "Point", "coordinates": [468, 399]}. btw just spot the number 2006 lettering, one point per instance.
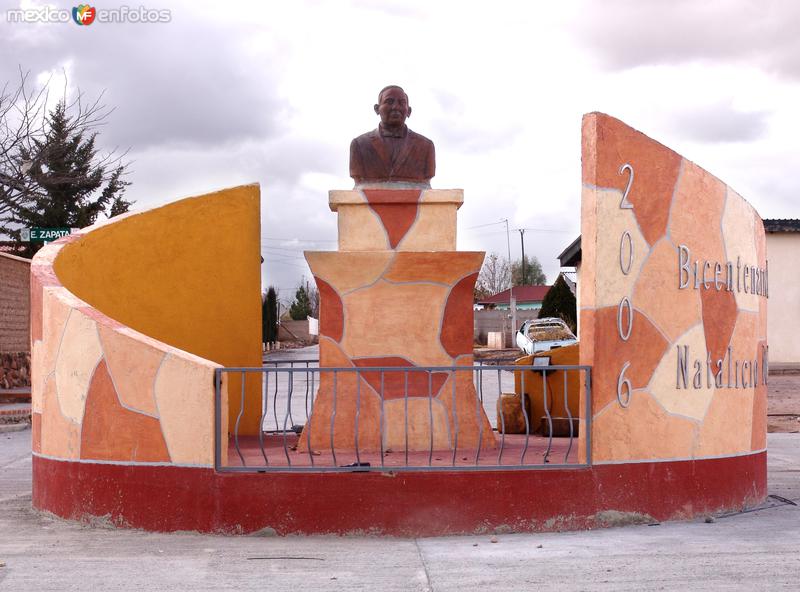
{"type": "Point", "coordinates": [624, 387]}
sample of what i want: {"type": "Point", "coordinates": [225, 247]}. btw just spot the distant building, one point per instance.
{"type": "Point", "coordinates": [15, 313]}
{"type": "Point", "coordinates": [571, 257]}
{"type": "Point", "coordinates": [527, 297]}
{"type": "Point", "coordinates": [783, 247]}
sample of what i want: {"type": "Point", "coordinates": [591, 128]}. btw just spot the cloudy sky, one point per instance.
{"type": "Point", "coordinates": [273, 92]}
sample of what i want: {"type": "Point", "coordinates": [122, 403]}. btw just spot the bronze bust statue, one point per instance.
{"type": "Point", "coordinates": [392, 153]}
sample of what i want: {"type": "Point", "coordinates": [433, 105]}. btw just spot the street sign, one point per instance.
{"type": "Point", "coordinates": [45, 235]}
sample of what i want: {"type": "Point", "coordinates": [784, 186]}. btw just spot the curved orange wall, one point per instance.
{"type": "Point", "coordinates": [673, 296]}
{"type": "Point", "coordinates": [187, 274]}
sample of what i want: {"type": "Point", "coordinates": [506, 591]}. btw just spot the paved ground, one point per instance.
{"type": "Point", "coordinates": [751, 551]}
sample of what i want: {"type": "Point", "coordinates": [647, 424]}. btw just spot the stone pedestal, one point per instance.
{"type": "Point", "coordinates": [396, 294]}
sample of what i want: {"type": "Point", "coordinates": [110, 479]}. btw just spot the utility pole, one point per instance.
{"type": "Point", "coordinates": [512, 303]}
{"type": "Point", "coordinates": [508, 240]}
{"type": "Point", "coordinates": [522, 242]}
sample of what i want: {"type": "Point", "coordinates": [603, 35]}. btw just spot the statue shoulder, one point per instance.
{"type": "Point", "coordinates": [419, 138]}
{"type": "Point", "coordinates": [364, 138]}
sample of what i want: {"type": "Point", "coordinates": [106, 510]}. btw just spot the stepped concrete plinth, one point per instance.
{"type": "Point", "coordinates": [396, 294]}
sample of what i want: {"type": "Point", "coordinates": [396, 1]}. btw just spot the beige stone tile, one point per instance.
{"type": "Point", "coordinates": [347, 271]}
{"type": "Point", "coordinates": [421, 416]}
{"type": "Point", "coordinates": [39, 372]}
{"type": "Point", "coordinates": [641, 431]}
{"type": "Point", "coordinates": [588, 284]}
{"type": "Point", "coordinates": [433, 230]}
{"type": "Point", "coordinates": [349, 395]}
{"type": "Point", "coordinates": [78, 356]}
{"type": "Point", "coordinates": [452, 196]}
{"type": "Point", "coordinates": [473, 425]}
{"type": "Point", "coordinates": [44, 352]}
{"type": "Point", "coordinates": [60, 437]}
{"type": "Point", "coordinates": [738, 226]}
{"type": "Point", "coordinates": [184, 391]}
{"type": "Point", "coordinates": [688, 402]}
{"type": "Point", "coordinates": [361, 229]}
{"type": "Point", "coordinates": [55, 310]}
{"type": "Point", "coordinates": [132, 366]}
{"type": "Point", "coordinates": [612, 223]}
{"type": "Point", "coordinates": [339, 197]}
{"type": "Point", "coordinates": [396, 320]}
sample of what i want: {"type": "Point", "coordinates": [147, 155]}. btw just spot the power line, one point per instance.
{"type": "Point", "coordinates": [487, 224]}
{"type": "Point", "coordinates": [273, 256]}
{"type": "Point", "coordinates": [264, 247]}
{"type": "Point", "coordinates": [487, 233]}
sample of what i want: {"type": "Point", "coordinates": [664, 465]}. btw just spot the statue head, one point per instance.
{"type": "Point", "coordinates": [392, 106]}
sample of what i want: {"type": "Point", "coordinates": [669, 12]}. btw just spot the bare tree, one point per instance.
{"type": "Point", "coordinates": [51, 173]}
{"type": "Point", "coordinates": [313, 298]}
{"type": "Point", "coordinates": [495, 276]}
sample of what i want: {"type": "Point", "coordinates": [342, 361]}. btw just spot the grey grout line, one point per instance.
{"type": "Point", "coordinates": [429, 586]}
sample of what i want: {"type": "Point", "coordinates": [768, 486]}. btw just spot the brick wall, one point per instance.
{"type": "Point", "coordinates": [15, 306]}
{"type": "Point", "coordinates": [295, 331]}
{"type": "Point", "coordinates": [486, 321]}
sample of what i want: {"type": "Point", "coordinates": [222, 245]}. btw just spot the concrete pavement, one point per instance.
{"type": "Point", "coordinates": [757, 550]}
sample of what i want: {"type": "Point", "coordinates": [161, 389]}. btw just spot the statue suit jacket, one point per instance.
{"type": "Point", "coordinates": [369, 162]}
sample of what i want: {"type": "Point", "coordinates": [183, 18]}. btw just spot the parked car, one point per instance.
{"type": "Point", "coordinates": [537, 335]}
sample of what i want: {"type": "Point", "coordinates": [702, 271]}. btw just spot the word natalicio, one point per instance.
{"type": "Point", "coordinates": [724, 373]}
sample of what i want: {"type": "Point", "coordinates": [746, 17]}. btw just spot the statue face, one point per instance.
{"type": "Point", "coordinates": [393, 108]}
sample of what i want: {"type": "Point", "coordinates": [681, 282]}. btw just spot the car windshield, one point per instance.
{"type": "Point", "coordinates": [549, 331]}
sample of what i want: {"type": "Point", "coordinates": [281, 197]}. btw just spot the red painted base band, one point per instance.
{"type": "Point", "coordinates": [166, 498]}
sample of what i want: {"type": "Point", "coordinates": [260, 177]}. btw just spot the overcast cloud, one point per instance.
{"type": "Point", "coordinates": [273, 92]}
{"type": "Point", "coordinates": [630, 33]}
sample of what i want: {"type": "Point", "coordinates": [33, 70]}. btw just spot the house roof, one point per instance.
{"type": "Point", "coordinates": [782, 225]}
{"type": "Point", "coordinates": [521, 294]}
{"type": "Point", "coordinates": [11, 248]}
{"type": "Point", "coordinates": [571, 256]}
{"type": "Point", "coordinates": [5, 255]}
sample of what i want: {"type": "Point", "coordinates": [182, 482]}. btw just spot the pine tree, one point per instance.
{"type": "Point", "coordinates": [65, 183]}
{"type": "Point", "coordinates": [560, 302]}
{"type": "Point", "coordinates": [270, 317]}
{"type": "Point", "coordinates": [301, 307]}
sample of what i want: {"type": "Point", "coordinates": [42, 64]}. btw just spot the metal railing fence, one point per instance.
{"type": "Point", "coordinates": [289, 391]}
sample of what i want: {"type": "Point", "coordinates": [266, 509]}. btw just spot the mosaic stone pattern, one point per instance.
{"type": "Point", "coordinates": [649, 322]}
{"type": "Point", "coordinates": [396, 294]}
{"type": "Point", "coordinates": [397, 219]}
{"type": "Point", "coordinates": [104, 392]}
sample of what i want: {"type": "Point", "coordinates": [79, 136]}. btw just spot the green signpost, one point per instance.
{"type": "Point", "coordinates": [45, 235]}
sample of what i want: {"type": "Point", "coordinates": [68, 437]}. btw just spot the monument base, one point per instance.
{"type": "Point", "coordinates": [396, 312]}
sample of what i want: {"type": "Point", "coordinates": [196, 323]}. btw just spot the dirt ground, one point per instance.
{"type": "Point", "coordinates": [783, 403]}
